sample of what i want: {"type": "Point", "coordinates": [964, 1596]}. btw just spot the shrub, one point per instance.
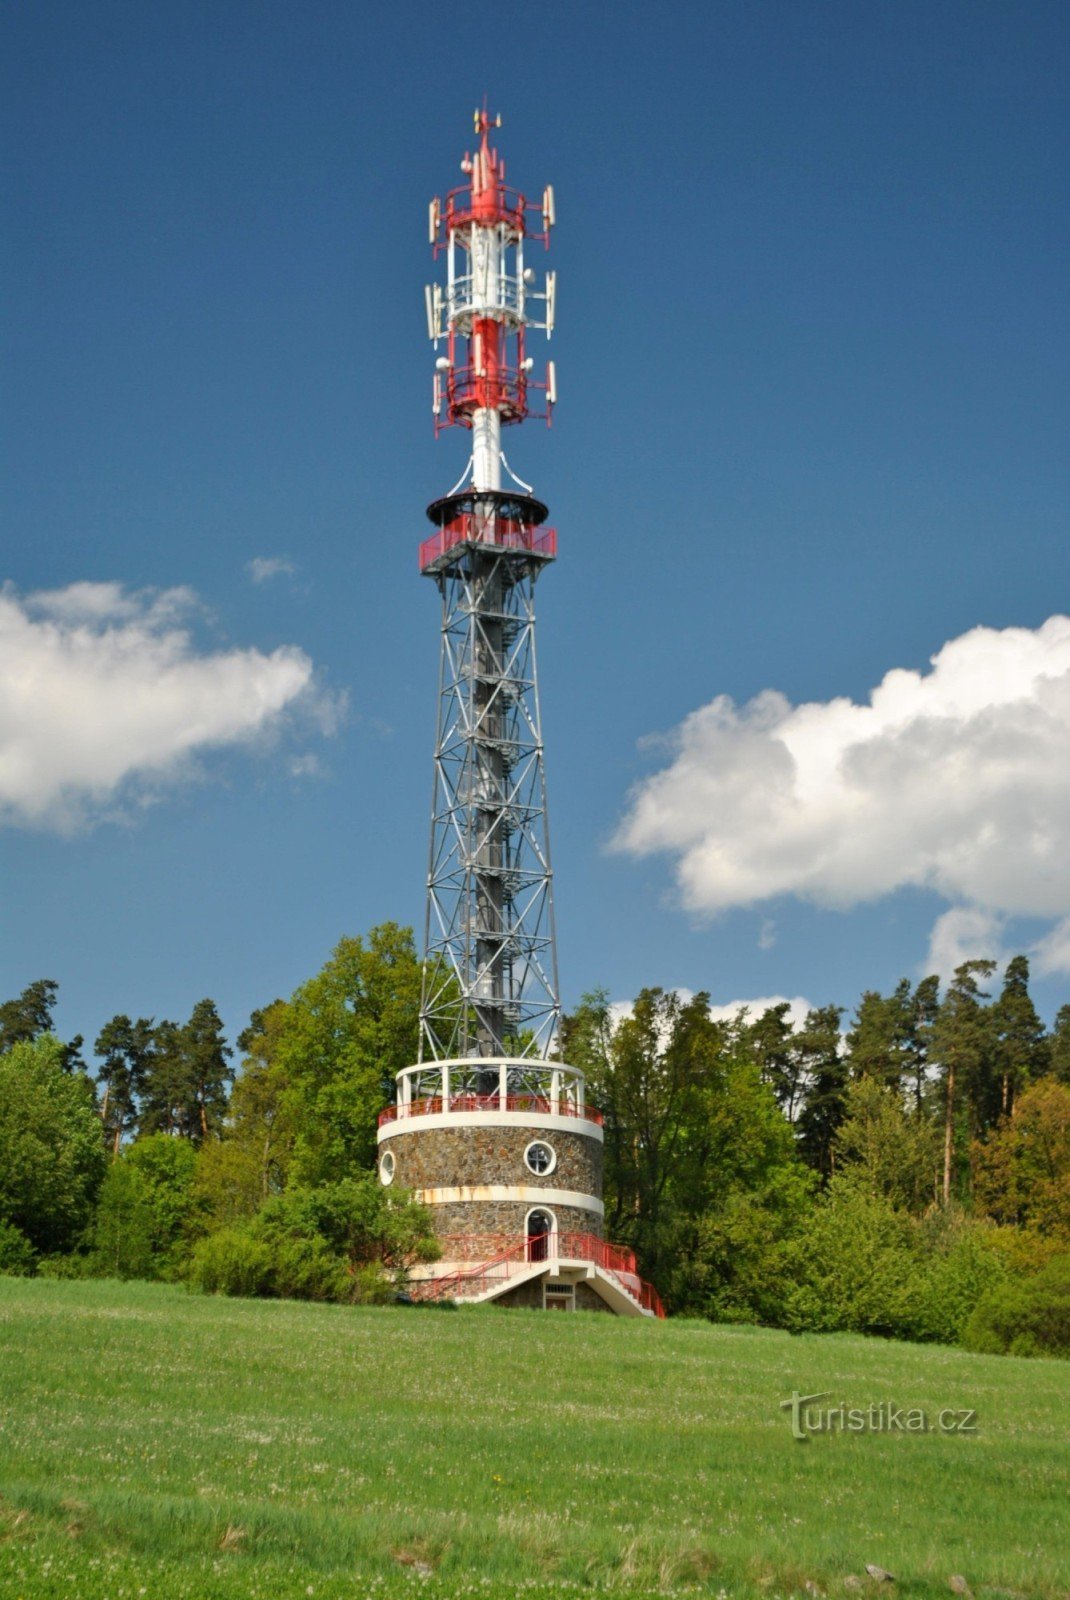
{"type": "Point", "coordinates": [232, 1262]}
{"type": "Point", "coordinates": [333, 1242]}
{"type": "Point", "coordinates": [122, 1232]}
{"type": "Point", "coordinates": [860, 1265]}
{"type": "Point", "coordinates": [18, 1259]}
{"type": "Point", "coordinates": [1025, 1317]}
{"type": "Point", "coordinates": [146, 1210]}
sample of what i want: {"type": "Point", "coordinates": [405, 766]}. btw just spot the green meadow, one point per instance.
{"type": "Point", "coordinates": [157, 1443]}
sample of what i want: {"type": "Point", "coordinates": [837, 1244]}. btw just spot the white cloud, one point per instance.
{"type": "Point", "coordinates": [953, 780]}
{"type": "Point", "coordinates": [1052, 953]}
{"type": "Point", "coordinates": [798, 1008]}
{"type": "Point", "coordinates": [965, 933]}
{"type": "Point", "coordinates": [105, 698]}
{"type": "Point", "coordinates": [262, 568]}
{"type": "Point", "coordinates": [726, 1012]}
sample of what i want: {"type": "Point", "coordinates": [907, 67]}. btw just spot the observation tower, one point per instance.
{"type": "Point", "coordinates": [491, 1129]}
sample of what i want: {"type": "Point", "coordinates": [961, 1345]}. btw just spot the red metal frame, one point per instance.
{"type": "Point", "coordinates": [486, 381]}
{"type": "Point", "coordinates": [470, 1282]}
{"type": "Point", "coordinates": [502, 533]}
{"type": "Point", "coordinates": [536, 1104]}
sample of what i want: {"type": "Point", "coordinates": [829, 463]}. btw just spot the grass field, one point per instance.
{"type": "Point", "coordinates": [153, 1443]}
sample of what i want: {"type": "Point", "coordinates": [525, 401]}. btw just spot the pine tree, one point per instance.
{"type": "Point", "coordinates": [771, 1039]}
{"type": "Point", "coordinates": [163, 1084]}
{"type": "Point", "coordinates": [823, 1065]}
{"type": "Point", "coordinates": [963, 1042]}
{"type": "Point", "coordinates": [207, 1076]}
{"type": "Point", "coordinates": [1022, 1049]}
{"type": "Point", "coordinates": [922, 1010]}
{"type": "Point", "coordinates": [125, 1049]}
{"type": "Point", "coordinates": [28, 1016]}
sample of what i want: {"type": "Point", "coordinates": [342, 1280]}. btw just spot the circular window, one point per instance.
{"type": "Point", "coordinates": [541, 1158]}
{"type": "Point", "coordinates": [387, 1163]}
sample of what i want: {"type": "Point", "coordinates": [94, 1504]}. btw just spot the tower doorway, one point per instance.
{"type": "Point", "coordinates": [540, 1227]}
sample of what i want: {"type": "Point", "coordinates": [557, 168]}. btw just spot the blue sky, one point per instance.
{"type": "Point", "coordinates": [811, 353]}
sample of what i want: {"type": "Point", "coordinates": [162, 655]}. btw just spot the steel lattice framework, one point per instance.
{"type": "Point", "coordinates": [490, 970]}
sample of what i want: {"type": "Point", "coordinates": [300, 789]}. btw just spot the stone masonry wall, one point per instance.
{"type": "Point", "coordinates": [506, 1219]}
{"type": "Point", "coordinates": [434, 1158]}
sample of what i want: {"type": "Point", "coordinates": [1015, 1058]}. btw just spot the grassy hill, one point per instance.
{"type": "Point", "coordinates": [153, 1443]}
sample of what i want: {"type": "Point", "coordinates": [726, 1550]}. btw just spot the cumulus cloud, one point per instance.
{"type": "Point", "coordinates": [105, 697]}
{"type": "Point", "coordinates": [727, 1012]}
{"type": "Point", "coordinates": [965, 933]}
{"type": "Point", "coordinates": [263, 568]}
{"type": "Point", "coordinates": [1052, 953]}
{"type": "Point", "coordinates": [953, 780]}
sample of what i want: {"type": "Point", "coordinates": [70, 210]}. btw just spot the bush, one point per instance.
{"type": "Point", "coordinates": [232, 1262]}
{"type": "Point", "coordinates": [333, 1243]}
{"type": "Point", "coordinates": [1029, 1317]}
{"type": "Point", "coordinates": [18, 1259]}
{"type": "Point", "coordinates": [146, 1210]}
{"type": "Point", "coordinates": [122, 1233]}
{"type": "Point", "coordinates": [65, 1267]}
{"type": "Point", "coordinates": [860, 1265]}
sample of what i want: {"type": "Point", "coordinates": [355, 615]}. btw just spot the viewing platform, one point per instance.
{"type": "Point", "coordinates": [513, 1088]}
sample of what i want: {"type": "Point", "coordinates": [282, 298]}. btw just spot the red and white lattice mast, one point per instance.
{"type": "Point", "coordinates": [491, 1130]}
{"type": "Point", "coordinates": [490, 986]}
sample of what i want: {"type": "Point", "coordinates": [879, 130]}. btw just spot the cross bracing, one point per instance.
{"type": "Point", "coordinates": [490, 976]}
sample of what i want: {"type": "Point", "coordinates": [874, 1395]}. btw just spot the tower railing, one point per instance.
{"type": "Point", "coordinates": [498, 533]}
{"type": "Point", "coordinates": [507, 1258]}
{"type": "Point", "coordinates": [521, 1085]}
{"type": "Point", "coordinates": [530, 1104]}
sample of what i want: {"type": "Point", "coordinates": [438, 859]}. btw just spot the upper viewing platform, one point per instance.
{"type": "Point", "coordinates": [516, 1089]}
{"type": "Point", "coordinates": [494, 519]}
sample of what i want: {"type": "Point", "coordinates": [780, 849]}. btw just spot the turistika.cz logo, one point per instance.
{"type": "Point", "coordinates": [808, 1417]}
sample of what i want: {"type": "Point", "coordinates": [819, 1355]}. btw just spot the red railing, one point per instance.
{"type": "Point", "coordinates": [500, 532]}
{"type": "Point", "coordinates": [508, 1257]}
{"type": "Point", "coordinates": [471, 1282]}
{"type": "Point", "coordinates": [536, 1104]}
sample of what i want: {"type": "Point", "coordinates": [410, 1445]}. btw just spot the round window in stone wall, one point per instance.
{"type": "Point", "coordinates": [541, 1158]}
{"type": "Point", "coordinates": [387, 1163]}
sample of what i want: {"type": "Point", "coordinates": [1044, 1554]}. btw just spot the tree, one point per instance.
{"type": "Point", "coordinates": [250, 1161]}
{"type": "Point", "coordinates": [872, 1045]}
{"type": "Point", "coordinates": [924, 1008]}
{"type": "Point", "coordinates": [962, 1044]}
{"type": "Point", "coordinates": [125, 1049]}
{"type": "Point", "coordinates": [164, 1086]}
{"type": "Point", "coordinates": [1059, 1045]}
{"type": "Point", "coordinates": [896, 1156]}
{"type": "Point", "coordinates": [824, 1070]}
{"type": "Point", "coordinates": [771, 1039]}
{"type": "Point", "coordinates": [147, 1211]}
{"type": "Point", "coordinates": [206, 1053]}
{"type": "Point", "coordinates": [122, 1228]}
{"type": "Point", "coordinates": [28, 1016]}
{"type": "Point", "coordinates": [343, 1038]}
{"type": "Point", "coordinates": [185, 1077]}
{"type": "Point", "coordinates": [651, 1070]}
{"type": "Point", "coordinates": [51, 1156]}
{"type": "Point", "coordinates": [1021, 1047]}
{"type": "Point", "coordinates": [1022, 1170]}
{"type": "Point", "coordinates": [702, 1176]}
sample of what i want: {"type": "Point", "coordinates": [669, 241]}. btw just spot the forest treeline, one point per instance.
{"type": "Point", "coordinates": [903, 1171]}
